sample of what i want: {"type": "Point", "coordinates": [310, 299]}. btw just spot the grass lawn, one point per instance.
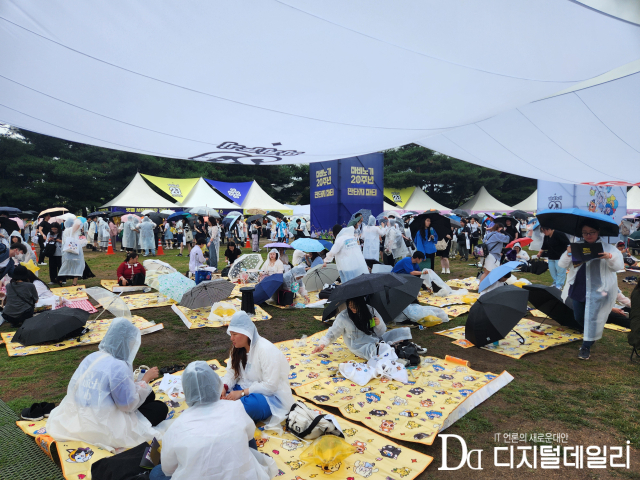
{"type": "Point", "coordinates": [595, 402]}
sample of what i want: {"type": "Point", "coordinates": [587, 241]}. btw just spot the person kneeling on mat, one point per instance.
{"type": "Point", "coordinates": [257, 373]}
{"type": "Point", "coordinates": [212, 438]}
{"type": "Point", "coordinates": [105, 405]}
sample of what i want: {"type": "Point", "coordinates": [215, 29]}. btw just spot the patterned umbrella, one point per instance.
{"type": "Point", "coordinates": [174, 285]}
{"type": "Point", "coordinates": [316, 277]}
{"type": "Point", "coordinates": [248, 261]}
{"type": "Point", "coordinates": [206, 294]}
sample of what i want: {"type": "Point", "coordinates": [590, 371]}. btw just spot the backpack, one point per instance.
{"type": "Point", "coordinates": [307, 424]}
{"type": "Point", "coordinates": [633, 337]}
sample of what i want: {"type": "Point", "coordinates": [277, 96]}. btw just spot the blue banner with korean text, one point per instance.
{"type": "Point", "coordinates": [340, 188]}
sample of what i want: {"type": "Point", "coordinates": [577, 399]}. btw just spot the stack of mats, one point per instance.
{"type": "Point", "coordinates": [71, 292]}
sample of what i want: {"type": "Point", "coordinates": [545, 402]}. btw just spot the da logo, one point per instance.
{"type": "Point", "coordinates": [396, 197]}
{"type": "Point", "coordinates": [232, 152]}
{"type": "Point", "coordinates": [174, 190]}
{"type": "Point", "coordinates": [555, 202]}
{"type": "Point", "coordinates": [233, 193]}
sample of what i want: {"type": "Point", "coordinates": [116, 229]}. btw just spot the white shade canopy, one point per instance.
{"type": "Point", "coordinates": [420, 201]}
{"type": "Point", "coordinates": [529, 204]}
{"type": "Point", "coordinates": [484, 202]}
{"type": "Point", "coordinates": [297, 81]}
{"type": "Point", "coordinates": [633, 200]}
{"type": "Point", "coordinates": [139, 195]}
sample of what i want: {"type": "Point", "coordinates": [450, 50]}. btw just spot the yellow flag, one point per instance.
{"type": "Point", "coordinates": [399, 196]}
{"type": "Point", "coordinates": [178, 188]}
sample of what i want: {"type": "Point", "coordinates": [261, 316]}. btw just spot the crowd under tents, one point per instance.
{"type": "Point", "coordinates": [138, 195]}
{"type": "Point", "coordinates": [483, 202]}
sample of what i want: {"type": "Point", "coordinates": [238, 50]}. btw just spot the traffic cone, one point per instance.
{"type": "Point", "coordinates": [110, 248]}
{"type": "Point", "coordinates": [248, 244]}
{"type": "Point", "coordinates": [160, 250]}
{"type": "Point", "coordinates": [33, 247]}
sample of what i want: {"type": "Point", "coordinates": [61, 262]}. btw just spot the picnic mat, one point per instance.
{"type": "Point", "coordinates": [511, 347]}
{"type": "Point", "coordinates": [98, 329]}
{"type": "Point", "coordinates": [199, 317]}
{"type": "Point", "coordinates": [112, 286]}
{"type": "Point", "coordinates": [470, 283]}
{"type": "Point", "coordinates": [617, 328]}
{"type": "Point", "coordinates": [85, 305]}
{"type": "Point", "coordinates": [439, 393]}
{"type": "Point", "coordinates": [453, 299]}
{"type": "Point", "coordinates": [236, 290]}
{"type": "Point", "coordinates": [71, 292]}
{"type": "Point", "coordinates": [147, 300]}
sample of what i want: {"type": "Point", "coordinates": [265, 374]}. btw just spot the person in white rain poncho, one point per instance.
{"type": "Point", "coordinates": [394, 241]}
{"type": "Point", "coordinates": [147, 240]}
{"type": "Point", "coordinates": [593, 286]}
{"type": "Point", "coordinates": [210, 439]}
{"type": "Point", "coordinates": [105, 406]}
{"type": "Point", "coordinates": [15, 237]}
{"type": "Point", "coordinates": [103, 234]}
{"type": "Point", "coordinates": [257, 373]}
{"type": "Point", "coordinates": [361, 328]}
{"type": "Point", "coordinates": [73, 264]}
{"type": "Point", "coordinates": [273, 264]}
{"type": "Point", "coordinates": [372, 234]}
{"type": "Point", "coordinates": [129, 239]}
{"type": "Point", "coordinates": [347, 253]}
{"type": "Point", "coordinates": [292, 282]}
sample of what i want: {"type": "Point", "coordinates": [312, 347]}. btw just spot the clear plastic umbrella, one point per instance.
{"type": "Point", "coordinates": [109, 301]}
{"type": "Point", "coordinates": [174, 285]}
{"type": "Point", "coordinates": [204, 211]}
{"type": "Point", "coordinates": [158, 266]}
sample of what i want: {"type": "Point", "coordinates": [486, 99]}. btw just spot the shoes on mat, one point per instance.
{"type": "Point", "coordinates": [172, 368]}
{"type": "Point", "coordinates": [584, 353]}
{"type": "Point", "coordinates": [421, 350]}
{"type": "Point", "coordinates": [37, 411]}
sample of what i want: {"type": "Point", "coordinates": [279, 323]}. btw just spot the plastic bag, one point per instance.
{"type": "Point", "coordinates": [223, 309]}
{"type": "Point", "coordinates": [301, 343]}
{"type": "Point", "coordinates": [429, 277]}
{"type": "Point", "coordinates": [430, 321]}
{"type": "Point", "coordinates": [469, 299]}
{"type": "Point", "coordinates": [416, 312]}
{"type": "Point", "coordinates": [328, 452]}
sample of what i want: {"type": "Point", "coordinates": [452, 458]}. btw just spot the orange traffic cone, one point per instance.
{"type": "Point", "coordinates": [248, 245]}
{"type": "Point", "coordinates": [160, 250]}
{"type": "Point", "coordinates": [110, 248]}
{"type": "Point", "coordinates": [33, 247]}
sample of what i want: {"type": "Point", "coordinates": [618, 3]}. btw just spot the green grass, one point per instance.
{"type": "Point", "coordinates": [552, 390]}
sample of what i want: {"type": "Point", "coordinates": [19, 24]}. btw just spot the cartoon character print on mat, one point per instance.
{"type": "Point", "coordinates": [387, 425]}
{"type": "Point", "coordinates": [457, 385]}
{"type": "Point", "coordinates": [291, 444]}
{"type": "Point", "coordinates": [412, 424]}
{"type": "Point", "coordinates": [79, 455]}
{"type": "Point", "coordinates": [390, 451]}
{"type": "Point", "coordinates": [433, 414]}
{"type": "Point", "coordinates": [352, 409]}
{"type": "Point", "coordinates": [421, 436]}
{"type": "Point", "coordinates": [433, 384]}
{"type": "Point", "coordinates": [342, 390]}
{"type": "Point", "coordinates": [350, 432]}
{"type": "Point", "coordinates": [438, 368]}
{"type": "Point", "coordinates": [321, 398]}
{"type": "Point", "coordinates": [465, 392]}
{"type": "Point", "coordinates": [40, 431]}
{"type": "Point", "coordinates": [361, 446]}
{"type": "Point", "coordinates": [426, 403]}
{"type": "Point", "coordinates": [364, 469]}
{"type": "Point", "coordinates": [398, 401]}
{"type": "Point", "coordinates": [446, 377]}
{"type": "Point", "coordinates": [377, 413]}
{"type": "Point", "coordinates": [392, 387]}
{"type": "Point", "coordinates": [313, 375]}
{"type": "Point", "coordinates": [417, 391]}
{"type": "Point", "coordinates": [261, 442]}
{"type": "Point", "coordinates": [329, 469]}
{"type": "Point", "coordinates": [294, 465]}
{"type": "Point", "coordinates": [347, 398]}
{"type": "Point", "coordinates": [403, 472]}
{"type": "Point", "coordinates": [408, 413]}
{"type": "Point", "coordinates": [373, 398]}
{"type": "Point", "coordinates": [365, 389]}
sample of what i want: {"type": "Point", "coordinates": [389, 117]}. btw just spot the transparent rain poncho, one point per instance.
{"type": "Point", "coordinates": [102, 401]}
{"type": "Point", "coordinates": [129, 239]}
{"type": "Point", "coordinates": [602, 288]}
{"type": "Point", "coordinates": [146, 233]}
{"type": "Point", "coordinates": [267, 370]}
{"type": "Point", "coordinates": [72, 264]}
{"type": "Point", "coordinates": [103, 232]}
{"type": "Point", "coordinates": [292, 280]}
{"type": "Point", "coordinates": [23, 257]}
{"type": "Point", "coordinates": [371, 234]}
{"type": "Point", "coordinates": [393, 242]}
{"type": "Point", "coordinates": [348, 256]}
{"type": "Point", "coordinates": [210, 439]}
{"type": "Point", "coordinates": [358, 342]}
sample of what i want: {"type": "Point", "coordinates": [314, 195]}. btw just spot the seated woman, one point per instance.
{"type": "Point", "coordinates": [15, 237]}
{"type": "Point", "coordinates": [105, 405]}
{"type": "Point", "coordinates": [196, 257]}
{"type": "Point", "coordinates": [362, 328]}
{"type": "Point", "coordinates": [292, 282]}
{"type": "Point", "coordinates": [313, 259]}
{"type": "Point", "coordinates": [257, 373]}
{"type": "Point", "coordinates": [130, 272]}
{"type": "Point", "coordinates": [272, 265]}
{"type": "Point", "coordinates": [21, 299]}
{"type": "Point", "coordinates": [211, 438]}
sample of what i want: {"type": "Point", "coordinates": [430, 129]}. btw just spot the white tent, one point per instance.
{"type": "Point", "coordinates": [387, 206]}
{"type": "Point", "coordinates": [202, 195]}
{"type": "Point", "coordinates": [257, 198]}
{"type": "Point", "coordinates": [148, 90]}
{"type": "Point", "coordinates": [419, 201]}
{"type": "Point", "coordinates": [529, 204]}
{"type": "Point", "coordinates": [139, 195]}
{"type": "Point", "coordinates": [483, 202]}
{"type": "Point", "coordinates": [633, 200]}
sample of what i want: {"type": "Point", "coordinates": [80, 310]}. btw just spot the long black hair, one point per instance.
{"type": "Point", "coordinates": [238, 357]}
{"type": "Point", "coordinates": [423, 231]}
{"type": "Point", "coordinates": [130, 255]}
{"type": "Point", "coordinates": [363, 315]}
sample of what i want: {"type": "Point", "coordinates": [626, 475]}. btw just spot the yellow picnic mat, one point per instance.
{"type": "Point", "coordinates": [111, 284]}
{"type": "Point", "coordinates": [199, 317]}
{"type": "Point", "coordinates": [97, 330]}
{"type": "Point", "coordinates": [511, 346]}
{"type": "Point", "coordinates": [147, 300]}
{"type": "Point", "coordinates": [236, 290]}
{"type": "Point", "coordinates": [70, 292]}
{"type": "Point", "coordinates": [617, 328]}
{"type": "Point", "coordinates": [469, 283]}
{"type": "Point", "coordinates": [454, 299]}
{"type": "Point", "coordinates": [537, 313]}
{"type": "Point", "coordinates": [456, 310]}
{"type": "Point", "coordinates": [439, 393]}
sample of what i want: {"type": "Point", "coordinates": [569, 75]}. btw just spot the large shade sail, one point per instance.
{"type": "Point", "coordinates": [298, 81]}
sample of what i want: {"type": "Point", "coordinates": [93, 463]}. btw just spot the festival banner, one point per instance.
{"type": "Point", "coordinates": [234, 191]}
{"type": "Point", "coordinates": [399, 196]}
{"type": "Point", "coordinates": [178, 188]}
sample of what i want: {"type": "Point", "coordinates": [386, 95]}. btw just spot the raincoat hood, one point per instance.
{"type": "Point", "coordinates": [16, 233]}
{"type": "Point", "coordinates": [122, 340]}
{"type": "Point", "coordinates": [242, 323]}
{"type": "Point", "coordinates": [295, 274]}
{"type": "Point", "coordinates": [346, 231]}
{"type": "Point", "coordinates": [273, 250]}
{"type": "Point", "coordinates": [372, 221]}
{"type": "Point", "coordinates": [201, 385]}
{"type": "Point", "coordinates": [69, 223]}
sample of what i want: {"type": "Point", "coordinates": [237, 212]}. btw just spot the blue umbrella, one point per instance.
{"type": "Point", "coordinates": [571, 220]}
{"type": "Point", "coordinates": [497, 273]}
{"type": "Point", "coordinates": [177, 215]}
{"type": "Point", "coordinates": [307, 245]}
{"type": "Point", "coordinates": [267, 287]}
{"type": "Point", "coordinates": [326, 243]}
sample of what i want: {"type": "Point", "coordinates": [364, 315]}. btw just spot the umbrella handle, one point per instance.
{"type": "Point", "coordinates": [105, 308]}
{"type": "Point", "coordinates": [521, 339]}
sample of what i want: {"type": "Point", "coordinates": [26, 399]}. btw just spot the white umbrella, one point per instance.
{"type": "Point", "coordinates": [109, 301]}
{"type": "Point", "coordinates": [167, 212]}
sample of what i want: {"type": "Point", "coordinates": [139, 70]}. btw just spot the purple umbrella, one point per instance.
{"type": "Point", "coordinates": [277, 245]}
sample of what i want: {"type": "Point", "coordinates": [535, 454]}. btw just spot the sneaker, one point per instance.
{"type": "Point", "coordinates": [42, 263]}
{"type": "Point", "coordinates": [179, 255]}
{"type": "Point", "coordinates": [584, 353]}
{"type": "Point", "coordinates": [37, 411]}
{"type": "Point", "coordinates": [50, 283]}
{"type": "Point", "coordinates": [443, 271]}
{"type": "Point", "coordinates": [421, 350]}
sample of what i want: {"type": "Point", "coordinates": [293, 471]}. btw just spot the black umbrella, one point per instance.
{"type": "Point", "coordinates": [495, 314]}
{"type": "Point", "coordinates": [549, 301]}
{"type": "Point", "coordinates": [520, 214]}
{"type": "Point", "coordinates": [461, 213]}
{"type": "Point", "coordinates": [477, 217]}
{"type": "Point", "coordinates": [52, 326]}
{"type": "Point", "coordinates": [253, 218]}
{"type": "Point", "coordinates": [206, 294]}
{"type": "Point", "coordinates": [440, 223]}
{"type": "Point", "coordinates": [398, 299]}
{"type": "Point", "coordinates": [362, 286]}
{"type": "Point", "coordinates": [571, 220]}
{"type": "Point", "coordinates": [97, 214]}
{"type": "Point", "coordinates": [28, 213]}
{"type": "Point", "coordinates": [502, 220]}
{"type": "Point", "coordinates": [116, 214]}
{"type": "Point", "coordinates": [276, 214]}
{"type": "Point", "coordinates": [155, 218]}
{"type": "Point", "coordinates": [10, 211]}
{"type": "Point", "coordinates": [9, 225]}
